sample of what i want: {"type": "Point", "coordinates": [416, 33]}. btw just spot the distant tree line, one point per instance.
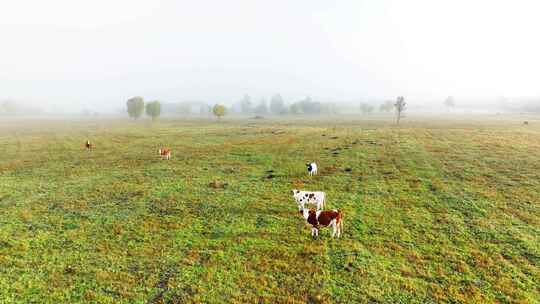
{"type": "Point", "coordinates": [10, 107]}
{"type": "Point", "coordinates": [277, 106]}
{"type": "Point", "coordinates": [520, 105]}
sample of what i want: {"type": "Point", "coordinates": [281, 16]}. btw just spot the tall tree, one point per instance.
{"type": "Point", "coordinates": [366, 108]}
{"type": "Point", "coordinates": [183, 108]}
{"type": "Point", "coordinates": [449, 102]}
{"type": "Point", "coordinates": [277, 105]}
{"type": "Point", "coordinates": [295, 108]}
{"type": "Point", "coordinates": [262, 108]}
{"type": "Point", "coordinates": [400, 107]}
{"type": "Point", "coordinates": [153, 109]}
{"type": "Point", "coordinates": [246, 105]}
{"type": "Point", "coordinates": [9, 107]}
{"type": "Point", "coordinates": [386, 106]}
{"type": "Point", "coordinates": [135, 107]}
{"type": "Point", "coordinates": [329, 108]}
{"type": "Point", "coordinates": [308, 106]}
{"type": "Point", "coordinates": [219, 111]}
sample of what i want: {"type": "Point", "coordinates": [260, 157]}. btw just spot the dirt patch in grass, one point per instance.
{"type": "Point", "coordinates": [218, 184]}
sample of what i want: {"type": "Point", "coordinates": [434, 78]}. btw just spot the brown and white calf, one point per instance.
{"type": "Point", "coordinates": [302, 198]}
{"type": "Point", "coordinates": [88, 145]}
{"type": "Point", "coordinates": [165, 153]}
{"type": "Point", "coordinates": [326, 218]}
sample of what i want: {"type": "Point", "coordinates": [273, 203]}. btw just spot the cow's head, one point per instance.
{"type": "Point", "coordinates": [304, 213]}
{"type": "Point", "coordinates": [297, 195]}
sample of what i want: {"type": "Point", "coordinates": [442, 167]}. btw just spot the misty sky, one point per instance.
{"type": "Point", "coordinates": [103, 52]}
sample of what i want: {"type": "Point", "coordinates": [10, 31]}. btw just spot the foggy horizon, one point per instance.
{"type": "Point", "coordinates": [74, 55]}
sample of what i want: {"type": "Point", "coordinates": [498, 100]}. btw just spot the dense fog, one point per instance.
{"type": "Point", "coordinates": [63, 56]}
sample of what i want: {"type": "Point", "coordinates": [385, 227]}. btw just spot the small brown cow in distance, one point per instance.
{"type": "Point", "coordinates": [88, 145]}
{"type": "Point", "coordinates": [165, 153]}
{"type": "Point", "coordinates": [325, 218]}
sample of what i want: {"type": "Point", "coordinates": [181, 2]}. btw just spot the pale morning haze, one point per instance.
{"type": "Point", "coordinates": [277, 151]}
{"type": "Point", "coordinates": [80, 53]}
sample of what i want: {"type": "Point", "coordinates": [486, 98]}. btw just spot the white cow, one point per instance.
{"type": "Point", "coordinates": [309, 197]}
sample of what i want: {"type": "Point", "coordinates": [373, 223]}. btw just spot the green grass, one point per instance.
{"type": "Point", "coordinates": [435, 211]}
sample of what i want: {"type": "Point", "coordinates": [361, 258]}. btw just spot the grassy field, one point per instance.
{"type": "Point", "coordinates": [435, 212]}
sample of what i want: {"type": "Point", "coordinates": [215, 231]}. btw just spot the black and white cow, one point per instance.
{"type": "Point", "coordinates": [302, 198]}
{"type": "Point", "coordinates": [312, 168]}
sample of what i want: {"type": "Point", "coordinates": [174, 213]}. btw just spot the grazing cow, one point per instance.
{"type": "Point", "coordinates": [309, 197]}
{"type": "Point", "coordinates": [165, 153]}
{"type": "Point", "coordinates": [312, 168]}
{"type": "Point", "coordinates": [88, 145]}
{"type": "Point", "coordinates": [325, 218]}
